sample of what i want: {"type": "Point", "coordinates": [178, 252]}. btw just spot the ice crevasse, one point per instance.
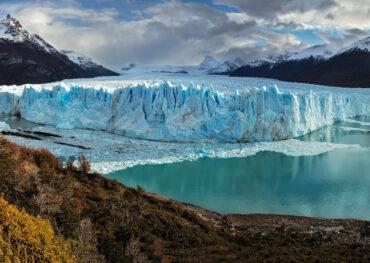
{"type": "Point", "coordinates": [185, 113]}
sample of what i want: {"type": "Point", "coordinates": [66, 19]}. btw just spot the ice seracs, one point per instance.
{"type": "Point", "coordinates": [186, 110]}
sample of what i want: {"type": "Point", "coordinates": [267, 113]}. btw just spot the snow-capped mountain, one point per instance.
{"type": "Point", "coordinates": [12, 31]}
{"type": "Point", "coordinates": [223, 68]}
{"type": "Point", "coordinates": [238, 62]}
{"type": "Point", "coordinates": [128, 66]}
{"type": "Point", "coordinates": [317, 52]}
{"type": "Point", "coordinates": [170, 69]}
{"type": "Point", "coordinates": [88, 64]}
{"type": "Point", "coordinates": [363, 44]}
{"type": "Point", "coordinates": [322, 64]}
{"type": "Point", "coordinates": [209, 65]}
{"type": "Point", "coordinates": [27, 58]}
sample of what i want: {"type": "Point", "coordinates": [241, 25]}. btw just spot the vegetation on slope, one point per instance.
{"type": "Point", "coordinates": [112, 223]}
{"type": "Point", "coordinates": [25, 238]}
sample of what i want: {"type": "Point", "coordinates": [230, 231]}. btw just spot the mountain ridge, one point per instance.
{"type": "Point", "coordinates": [348, 67]}
{"type": "Point", "coordinates": [209, 65]}
{"type": "Point", "coordinates": [27, 58]}
{"type": "Point", "coordinates": [91, 67]}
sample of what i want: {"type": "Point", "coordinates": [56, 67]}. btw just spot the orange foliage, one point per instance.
{"type": "Point", "coordinates": [25, 238]}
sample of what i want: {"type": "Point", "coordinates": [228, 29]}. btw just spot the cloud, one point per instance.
{"type": "Point", "coordinates": [271, 9]}
{"type": "Point", "coordinates": [175, 32]}
{"type": "Point", "coordinates": [169, 32]}
{"type": "Point", "coordinates": [321, 14]}
{"type": "Point", "coordinates": [345, 38]}
{"type": "Point", "coordinates": [273, 44]}
{"type": "Point", "coordinates": [342, 16]}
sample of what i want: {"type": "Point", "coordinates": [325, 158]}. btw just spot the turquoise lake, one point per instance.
{"type": "Point", "coordinates": [335, 184]}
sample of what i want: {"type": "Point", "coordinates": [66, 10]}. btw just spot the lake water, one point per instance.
{"type": "Point", "coordinates": [335, 184]}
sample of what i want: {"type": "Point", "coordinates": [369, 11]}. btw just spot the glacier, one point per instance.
{"type": "Point", "coordinates": [109, 152]}
{"type": "Point", "coordinates": [185, 109]}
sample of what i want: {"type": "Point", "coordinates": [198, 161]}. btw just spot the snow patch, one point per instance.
{"type": "Point", "coordinates": [12, 30]}
{"type": "Point", "coordinates": [84, 61]}
{"type": "Point", "coordinates": [363, 44]}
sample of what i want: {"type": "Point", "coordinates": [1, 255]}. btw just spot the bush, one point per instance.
{"type": "Point", "coordinates": [84, 164]}
{"type": "Point", "coordinates": [25, 238]}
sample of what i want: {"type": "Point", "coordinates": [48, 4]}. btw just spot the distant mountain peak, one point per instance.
{"type": "Point", "coordinates": [77, 58]}
{"type": "Point", "coordinates": [362, 44]}
{"type": "Point", "coordinates": [320, 64]}
{"type": "Point", "coordinates": [87, 64]}
{"type": "Point", "coordinates": [208, 63]}
{"type": "Point", "coordinates": [128, 66]}
{"type": "Point", "coordinates": [238, 61]}
{"type": "Point", "coordinates": [318, 52]}
{"type": "Point", "coordinates": [27, 58]}
{"type": "Point", "coordinates": [11, 30]}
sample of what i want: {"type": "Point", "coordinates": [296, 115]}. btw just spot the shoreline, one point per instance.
{"type": "Point", "coordinates": [163, 229]}
{"type": "Point", "coordinates": [110, 152]}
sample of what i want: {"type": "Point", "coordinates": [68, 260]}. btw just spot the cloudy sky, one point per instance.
{"type": "Point", "coordinates": [153, 32]}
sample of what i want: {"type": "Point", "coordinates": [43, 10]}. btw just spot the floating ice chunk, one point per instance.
{"type": "Point", "coordinates": [362, 123]}
{"type": "Point", "coordinates": [4, 127]}
{"type": "Point", "coordinates": [349, 129]}
{"type": "Point", "coordinates": [111, 152]}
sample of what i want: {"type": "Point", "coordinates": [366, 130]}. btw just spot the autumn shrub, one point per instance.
{"type": "Point", "coordinates": [25, 238]}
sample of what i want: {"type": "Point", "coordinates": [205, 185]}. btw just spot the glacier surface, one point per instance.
{"type": "Point", "coordinates": [186, 109]}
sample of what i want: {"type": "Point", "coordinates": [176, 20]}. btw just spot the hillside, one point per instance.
{"type": "Point", "coordinates": [25, 238]}
{"type": "Point", "coordinates": [115, 223]}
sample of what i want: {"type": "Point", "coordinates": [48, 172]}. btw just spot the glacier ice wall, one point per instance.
{"type": "Point", "coordinates": [166, 112]}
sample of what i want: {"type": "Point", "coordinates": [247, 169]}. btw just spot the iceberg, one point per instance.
{"type": "Point", "coordinates": [186, 111]}
{"type": "Point", "coordinates": [4, 127]}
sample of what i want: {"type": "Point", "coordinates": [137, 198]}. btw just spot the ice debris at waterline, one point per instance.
{"type": "Point", "coordinates": [109, 152]}
{"type": "Point", "coordinates": [188, 112]}
{"type": "Point", "coordinates": [4, 127]}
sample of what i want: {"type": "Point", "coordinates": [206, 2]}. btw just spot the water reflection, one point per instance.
{"type": "Point", "coordinates": [333, 184]}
